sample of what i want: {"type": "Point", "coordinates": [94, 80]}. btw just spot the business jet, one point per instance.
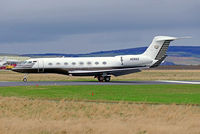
{"type": "Point", "coordinates": [100, 67]}
{"type": "Point", "coordinates": [6, 61]}
{"type": "Point", "coordinates": [3, 61]}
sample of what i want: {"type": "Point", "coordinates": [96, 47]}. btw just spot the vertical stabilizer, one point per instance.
{"type": "Point", "coordinates": [158, 48]}
{"type": "Point", "coordinates": [4, 59]}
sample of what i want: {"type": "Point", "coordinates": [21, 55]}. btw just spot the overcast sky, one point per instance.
{"type": "Point", "coordinates": [82, 26]}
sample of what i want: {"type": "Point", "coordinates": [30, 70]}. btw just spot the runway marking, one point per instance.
{"type": "Point", "coordinates": [181, 82]}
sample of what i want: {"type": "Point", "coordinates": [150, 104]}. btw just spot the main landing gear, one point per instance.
{"type": "Point", "coordinates": [103, 78]}
{"type": "Point", "coordinates": [25, 78]}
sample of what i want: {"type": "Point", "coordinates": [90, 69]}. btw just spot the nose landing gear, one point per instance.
{"type": "Point", "coordinates": [25, 78]}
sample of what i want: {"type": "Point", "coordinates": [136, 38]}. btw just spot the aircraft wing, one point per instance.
{"type": "Point", "coordinates": [115, 72]}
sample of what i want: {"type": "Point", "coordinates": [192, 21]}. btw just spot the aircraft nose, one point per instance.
{"type": "Point", "coordinates": [16, 70]}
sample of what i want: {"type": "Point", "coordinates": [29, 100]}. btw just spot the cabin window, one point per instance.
{"type": "Point", "coordinates": [81, 63]}
{"type": "Point", "coordinates": [50, 64]}
{"type": "Point", "coordinates": [73, 63]}
{"type": "Point", "coordinates": [89, 63]}
{"type": "Point", "coordinates": [34, 61]}
{"type": "Point", "coordinates": [29, 62]}
{"type": "Point", "coordinates": [96, 63]}
{"type": "Point", "coordinates": [65, 63]}
{"type": "Point", "coordinates": [57, 63]}
{"type": "Point", "coordinates": [104, 63]}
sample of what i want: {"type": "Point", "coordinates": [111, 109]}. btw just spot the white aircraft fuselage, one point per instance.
{"type": "Point", "coordinates": [100, 67]}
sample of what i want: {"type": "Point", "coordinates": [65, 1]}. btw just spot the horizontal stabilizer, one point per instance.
{"type": "Point", "coordinates": [164, 38]}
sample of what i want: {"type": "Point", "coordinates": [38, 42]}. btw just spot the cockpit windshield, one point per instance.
{"type": "Point", "coordinates": [23, 62]}
{"type": "Point", "coordinates": [26, 64]}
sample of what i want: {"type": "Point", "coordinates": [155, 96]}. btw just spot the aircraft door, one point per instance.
{"type": "Point", "coordinates": [40, 66]}
{"type": "Point", "coordinates": [122, 60]}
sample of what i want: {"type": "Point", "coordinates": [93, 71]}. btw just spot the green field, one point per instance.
{"type": "Point", "coordinates": [168, 94]}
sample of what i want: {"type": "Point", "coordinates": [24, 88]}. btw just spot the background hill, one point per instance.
{"type": "Point", "coordinates": [177, 55]}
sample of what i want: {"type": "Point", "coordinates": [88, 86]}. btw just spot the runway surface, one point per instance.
{"type": "Point", "coordinates": [5, 83]}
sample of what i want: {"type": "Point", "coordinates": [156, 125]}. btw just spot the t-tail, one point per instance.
{"type": "Point", "coordinates": [4, 59]}
{"type": "Point", "coordinates": [158, 48]}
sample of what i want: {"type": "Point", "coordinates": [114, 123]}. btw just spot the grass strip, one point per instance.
{"type": "Point", "coordinates": [167, 94]}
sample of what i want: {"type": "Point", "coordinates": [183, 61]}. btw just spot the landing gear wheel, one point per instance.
{"type": "Point", "coordinates": [100, 78]}
{"type": "Point", "coordinates": [24, 79]}
{"type": "Point", "coordinates": [107, 79]}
